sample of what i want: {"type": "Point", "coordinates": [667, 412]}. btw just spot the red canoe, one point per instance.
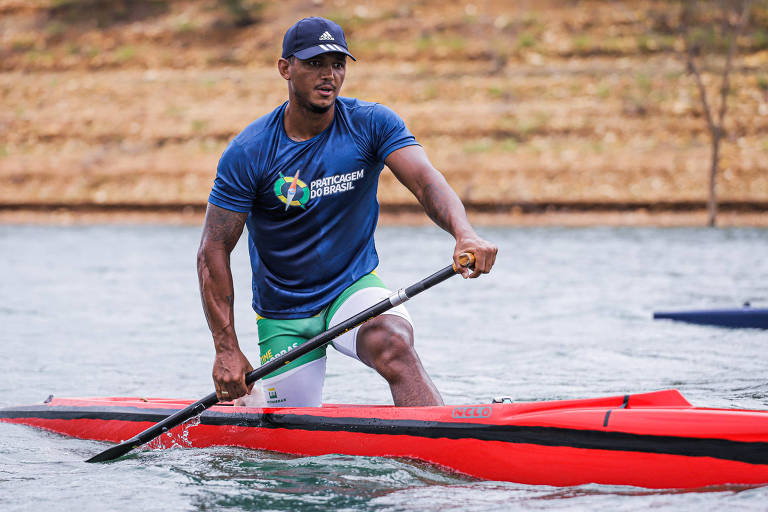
{"type": "Point", "coordinates": [655, 440]}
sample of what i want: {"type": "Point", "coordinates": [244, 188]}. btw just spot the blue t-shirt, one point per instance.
{"type": "Point", "coordinates": [312, 205]}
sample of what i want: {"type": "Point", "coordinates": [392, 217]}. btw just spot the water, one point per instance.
{"type": "Point", "coordinates": [114, 310]}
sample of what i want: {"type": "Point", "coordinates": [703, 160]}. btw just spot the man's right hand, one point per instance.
{"type": "Point", "coordinates": [229, 371]}
{"type": "Point", "coordinates": [221, 231]}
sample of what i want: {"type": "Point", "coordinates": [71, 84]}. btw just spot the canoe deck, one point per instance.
{"type": "Point", "coordinates": [744, 317]}
{"type": "Point", "coordinates": [654, 440]}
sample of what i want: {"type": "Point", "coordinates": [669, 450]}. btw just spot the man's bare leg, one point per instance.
{"type": "Point", "coordinates": [385, 343]}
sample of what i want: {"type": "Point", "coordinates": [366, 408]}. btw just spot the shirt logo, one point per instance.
{"type": "Point", "coordinates": [326, 36]}
{"type": "Point", "coordinates": [336, 184]}
{"type": "Point", "coordinates": [292, 191]}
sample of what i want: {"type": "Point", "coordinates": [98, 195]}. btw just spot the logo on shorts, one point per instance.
{"type": "Point", "coordinates": [272, 397]}
{"type": "Point", "coordinates": [292, 191]}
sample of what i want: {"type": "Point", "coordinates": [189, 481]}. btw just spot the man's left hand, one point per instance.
{"type": "Point", "coordinates": [484, 251]}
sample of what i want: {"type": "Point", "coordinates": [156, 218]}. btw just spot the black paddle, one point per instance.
{"type": "Point", "coordinates": [177, 418]}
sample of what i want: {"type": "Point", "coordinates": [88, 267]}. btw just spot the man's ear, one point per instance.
{"type": "Point", "coordinates": [284, 67]}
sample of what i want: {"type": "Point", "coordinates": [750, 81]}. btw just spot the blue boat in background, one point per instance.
{"type": "Point", "coordinates": [745, 316]}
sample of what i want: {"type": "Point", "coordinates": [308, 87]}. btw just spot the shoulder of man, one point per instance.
{"type": "Point", "coordinates": [367, 111]}
{"type": "Point", "coordinates": [253, 134]}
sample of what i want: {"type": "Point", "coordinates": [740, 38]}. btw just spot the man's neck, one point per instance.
{"type": "Point", "coordinates": [301, 124]}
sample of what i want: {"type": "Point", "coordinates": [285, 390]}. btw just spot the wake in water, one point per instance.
{"type": "Point", "coordinates": [177, 437]}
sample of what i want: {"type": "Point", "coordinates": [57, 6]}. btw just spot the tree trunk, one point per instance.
{"type": "Point", "coordinates": [712, 200]}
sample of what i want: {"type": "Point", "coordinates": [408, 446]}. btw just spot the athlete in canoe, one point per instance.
{"type": "Point", "coordinates": [303, 179]}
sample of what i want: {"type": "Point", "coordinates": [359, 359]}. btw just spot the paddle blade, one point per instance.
{"type": "Point", "coordinates": [113, 452]}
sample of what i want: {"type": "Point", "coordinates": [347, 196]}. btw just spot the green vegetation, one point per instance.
{"type": "Point", "coordinates": [575, 88]}
{"type": "Point", "coordinates": [104, 13]}
{"type": "Point", "coordinates": [531, 19]}
{"type": "Point", "coordinates": [55, 29]}
{"type": "Point", "coordinates": [429, 92]}
{"type": "Point", "coordinates": [429, 43]}
{"type": "Point", "coordinates": [424, 42]}
{"type": "Point", "coordinates": [456, 43]}
{"type": "Point", "coordinates": [186, 27]}
{"type": "Point", "coordinates": [705, 36]}
{"type": "Point", "coordinates": [645, 43]}
{"type": "Point", "coordinates": [349, 20]}
{"type": "Point", "coordinates": [526, 40]}
{"type": "Point", "coordinates": [582, 43]}
{"type": "Point", "coordinates": [509, 145]}
{"type": "Point", "coordinates": [243, 13]}
{"type": "Point", "coordinates": [762, 82]}
{"type": "Point", "coordinates": [760, 39]}
{"type": "Point", "coordinates": [483, 145]}
{"type": "Point", "coordinates": [210, 145]}
{"type": "Point", "coordinates": [22, 45]}
{"type": "Point", "coordinates": [198, 125]}
{"type": "Point", "coordinates": [125, 53]}
{"type": "Point", "coordinates": [653, 42]}
{"type": "Point", "coordinates": [497, 92]}
{"type": "Point", "coordinates": [529, 125]}
{"type": "Point", "coordinates": [490, 145]}
{"type": "Point", "coordinates": [39, 56]}
{"type": "Point", "coordinates": [643, 82]}
{"type": "Point", "coordinates": [174, 111]}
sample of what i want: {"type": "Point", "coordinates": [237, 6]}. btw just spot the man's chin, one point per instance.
{"type": "Point", "coordinates": [320, 109]}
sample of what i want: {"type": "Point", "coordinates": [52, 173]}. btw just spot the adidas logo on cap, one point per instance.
{"type": "Point", "coordinates": [326, 36]}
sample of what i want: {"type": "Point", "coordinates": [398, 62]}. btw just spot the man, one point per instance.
{"type": "Point", "coordinates": [303, 179]}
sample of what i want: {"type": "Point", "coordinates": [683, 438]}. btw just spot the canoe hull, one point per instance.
{"type": "Point", "coordinates": [617, 440]}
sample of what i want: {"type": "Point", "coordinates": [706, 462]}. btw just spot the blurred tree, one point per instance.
{"type": "Point", "coordinates": [244, 13]}
{"type": "Point", "coordinates": [103, 13]}
{"type": "Point", "coordinates": [109, 12]}
{"type": "Point", "coordinates": [710, 31]}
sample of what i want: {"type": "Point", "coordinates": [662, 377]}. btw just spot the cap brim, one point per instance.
{"type": "Point", "coordinates": [313, 51]}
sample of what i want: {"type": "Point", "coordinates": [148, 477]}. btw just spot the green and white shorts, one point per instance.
{"type": "Point", "coordinates": [300, 383]}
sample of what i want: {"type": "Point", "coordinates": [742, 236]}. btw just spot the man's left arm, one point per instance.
{"type": "Point", "coordinates": [414, 170]}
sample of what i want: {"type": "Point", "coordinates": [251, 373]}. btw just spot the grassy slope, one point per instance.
{"type": "Point", "coordinates": [514, 101]}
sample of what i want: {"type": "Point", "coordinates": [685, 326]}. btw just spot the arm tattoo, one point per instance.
{"type": "Point", "coordinates": [223, 226]}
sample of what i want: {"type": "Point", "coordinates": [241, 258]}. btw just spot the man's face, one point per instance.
{"type": "Point", "coordinates": [316, 82]}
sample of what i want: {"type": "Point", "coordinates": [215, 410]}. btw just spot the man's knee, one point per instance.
{"type": "Point", "coordinates": [386, 344]}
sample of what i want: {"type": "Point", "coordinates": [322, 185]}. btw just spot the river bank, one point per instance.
{"type": "Point", "coordinates": [547, 101]}
{"type": "Point", "coordinates": [191, 216]}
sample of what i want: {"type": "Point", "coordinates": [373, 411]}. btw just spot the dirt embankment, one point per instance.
{"type": "Point", "coordinates": [520, 104]}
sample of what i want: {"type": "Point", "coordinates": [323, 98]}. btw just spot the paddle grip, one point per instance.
{"type": "Point", "coordinates": [466, 259]}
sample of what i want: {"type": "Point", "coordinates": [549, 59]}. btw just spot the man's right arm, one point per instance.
{"type": "Point", "coordinates": [221, 231]}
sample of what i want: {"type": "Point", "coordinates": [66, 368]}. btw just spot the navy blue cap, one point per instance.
{"type": "Point", "coordinates": [312, 36]}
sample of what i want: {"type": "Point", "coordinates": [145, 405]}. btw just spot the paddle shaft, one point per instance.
{"type": "Point", "coordinates": [321, 339]}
